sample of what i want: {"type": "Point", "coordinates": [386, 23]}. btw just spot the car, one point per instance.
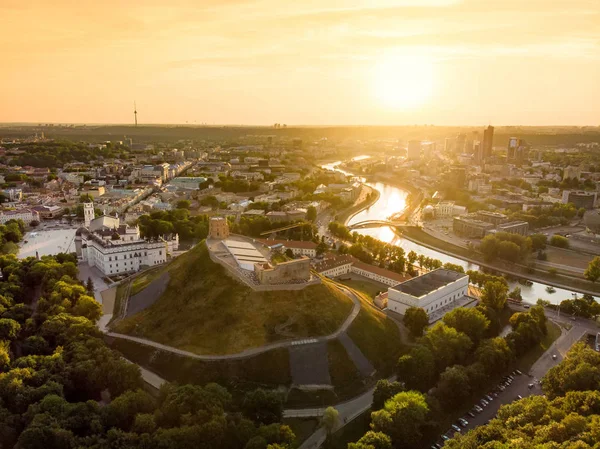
{"type": "Point", "coordinates": [471, 414]}
{"type": "Point", "coordinates": [484, 402]}
{"type": "Point", "coordinates": [518, 372]}
{"type": "Point", "coordinates": [526, 306]}
{"type": "Point", "coordinates": [553, 356]}
{"type": "Point", "coordinates": [488, 397]}
{"type": "Point", "coordinates": [445, 437]}
{"type": "Point", "coordinates": [438, 445]}
{"type": "Point", "coordinates": [455, 427]}
{"type": "Point", "coordinates": [501, 387]}
{"type": "Point", "coordinates": [463, 422]}
{"type": "Point", "coordinates": [478, 408]}
{"type": "Point", "coordinates": [519, 396]}
{"type": "Point", "coordinates": [530, 386]}
{"type": "Point", "coordinates": [494, 394]}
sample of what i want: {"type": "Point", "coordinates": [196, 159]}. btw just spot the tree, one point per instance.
{"type": "Point", "coordinates": [516, 294]}
{"type": "Point", "coordinates": [592, 272]}
{"type": "Point", "coordinates": [417, 369]}
{"type": "Point", "coordinates": [402, 418]}
{"type": "Point", "coordinates": [88, 307]}
{"type": "Point", "coordinates": [289, 253]}
{"type": "Point", "coordinates": [509, 251]}
{"type": "Point", "coordinates": [454, 386]}
{"type": "Point", "coordinates": [321, 248]}
{"type": "Point", "coordinates": [385, 390]}
{"type": "Point", "coordinates": [454, 267]}
{"type": "Point", "coordinates": [470, 321]}
{"type": "Point", "coordinates": [182, 204]}
{"type": "Point", "coordinates": [372, 440]}
{"type": "Point", "coordinates": [416, 320]}
{"type": "Point", "coordinates": [264, 406]}
{"type": "Point", "coordinates": [330, 419]}
{"type": "Point", "coordinates": [494, 295]}
{"type": "Point", "coordinates": [90, 286]}
{"type": "Point", "coordinates": [559, 241]}
{"type": "Point", "coordinates": [538, 241]}
{"type": "Point", "coordinates": [494, 354]}
{"type": "Point", "coordinates": [9, 329]}
{"type": "Point", "coordinates": [311, 213]}
{"type": "Point", "coordinates": [449, 346]}
{"type": "Point", "coordinates": [412, 257]}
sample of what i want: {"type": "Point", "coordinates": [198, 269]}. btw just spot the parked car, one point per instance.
{"type": "Point", "coordinates": [463, 422]}
{"type": "Point", "coordinates": [478, 408]}
{"type": "Point", "coordinates": [519, 396]}
{"type": "Point", "coordinates": [501, 387]}
{"type": "Point", "coordinates": [445, 437]}
{"type": "Point", "coordinates": [530, 386]}
{"type": "Point", "coordinates": [471, 414]}
{"type": "Point", "coordinates": [455, 427]}
{"type": "Point", "coordinates": [553, 356]}
{"type": "Point", "coordinates": [488, 397]}
{"type": "Point", "coordinates": [484, 403]}
{"type": "Point", "coordinates": [518, 372]}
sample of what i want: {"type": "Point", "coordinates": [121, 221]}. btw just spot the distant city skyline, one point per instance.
{"type": "Point", "coordinates": [259, 62]}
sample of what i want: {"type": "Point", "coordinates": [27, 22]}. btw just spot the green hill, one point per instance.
{"type": "Point", "coordinates": [205, 311]}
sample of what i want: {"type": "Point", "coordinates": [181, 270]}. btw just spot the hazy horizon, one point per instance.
{"type": "Point", "coordinates": [326, 63]}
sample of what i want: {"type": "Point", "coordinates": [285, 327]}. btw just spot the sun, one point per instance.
{"type": "Point", "coordinates": [403, 81]}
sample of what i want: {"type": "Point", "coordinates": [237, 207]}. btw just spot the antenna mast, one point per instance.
{"type": "Point", "coordinates": [135, 113]}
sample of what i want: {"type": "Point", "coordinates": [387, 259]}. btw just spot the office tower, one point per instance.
{"type": "Point", "coordinates": [413, 150]}
{"type": "Point", "coordinates": [488, 139]}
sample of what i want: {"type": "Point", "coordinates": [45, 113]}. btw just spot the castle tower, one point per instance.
{"type": "Point", "coordinates": [88, 213]}
{"type": "Point", "coordinates": [218, 228]}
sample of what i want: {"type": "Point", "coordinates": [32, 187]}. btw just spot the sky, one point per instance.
{"type": "Point", "coordinates": [303, 62]}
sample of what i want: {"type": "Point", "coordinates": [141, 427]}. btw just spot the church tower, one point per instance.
{"type": "Point", "coordinates": [88, 213]}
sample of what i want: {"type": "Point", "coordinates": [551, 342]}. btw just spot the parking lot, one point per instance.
{"type": "Point", "coordinates": [518, 386]}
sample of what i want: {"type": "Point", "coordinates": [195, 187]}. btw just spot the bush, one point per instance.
{"type": "Point", "coordinates": [559, 241]}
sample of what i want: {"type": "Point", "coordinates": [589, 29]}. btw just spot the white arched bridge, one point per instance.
{"type": "Point", "coordinates": [374, 224]}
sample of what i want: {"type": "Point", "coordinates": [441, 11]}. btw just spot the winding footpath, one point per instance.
{"type": "Point", "coordinates": [252, 351]}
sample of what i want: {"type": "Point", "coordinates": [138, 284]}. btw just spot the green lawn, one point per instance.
{"type": "Point", "coordinates": [369, 288]}
{"type": "Point", "coordinates": [526, 362]}
{"type": "Point", "coordinates": [141, 281]}
{"type": "Point", "coordinates": [205, 311]}
{"type": "Point", "coordinates": [377, 336]}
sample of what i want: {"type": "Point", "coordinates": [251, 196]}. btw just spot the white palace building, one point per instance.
{"type": "Point", "coordinates": [116, 248]}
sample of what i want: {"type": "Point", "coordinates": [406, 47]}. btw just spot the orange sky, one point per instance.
{"type": "Point", "coordinates": [530, 62]}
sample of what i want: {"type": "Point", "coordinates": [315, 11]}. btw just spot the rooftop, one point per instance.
{"type": "Point", "coordinates": [428, 282]}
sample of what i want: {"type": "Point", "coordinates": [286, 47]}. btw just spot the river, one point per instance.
{"type": "Point", "coordinates": [393, 199]}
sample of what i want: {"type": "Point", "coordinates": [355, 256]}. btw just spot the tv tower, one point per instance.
{"type": "Point", "coordinates": [135, 113]}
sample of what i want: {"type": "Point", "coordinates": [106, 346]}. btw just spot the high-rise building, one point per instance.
{"type": "Point", "coordinates": [461, 140]}
{"type": "Point", "coordinates": [488, 139]}
{"type": "Point", "coordinates": [517, 150]}
{"type": "Point", "coordinates": [413, 151]}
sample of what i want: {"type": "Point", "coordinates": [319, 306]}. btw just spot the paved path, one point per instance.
{"type": "Point", "coordinates": [252, 351]}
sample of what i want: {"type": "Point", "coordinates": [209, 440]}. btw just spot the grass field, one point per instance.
{"type": "Point", "coordinates": [529, 358]}
{"type": "Point", "coordinates": [368, 288]}
{"type": "Point", "coordinates": [377, 336]}
{"type": "Point", "coordinates": [205, 311]}
{"type": "Point", "coordinates": [144, 279]}
{"type": "Point", "coordinates": [269, 369]}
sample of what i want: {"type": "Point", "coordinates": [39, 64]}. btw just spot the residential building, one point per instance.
{"type": "Point", "coordinates": [335, 266]}
{"type": "Point", "coordinates": [48, 212]}
{"type": "Point", "coordinates": [580, 198]}
{"type": "Point", "coordinates": [495, 218]}
{"type": "Point", "coordinates": [431, 291]}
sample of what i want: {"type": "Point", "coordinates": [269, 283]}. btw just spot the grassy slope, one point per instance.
{"type": "Point", "coordinates": [344, 375]}
{"type": "Point", "coordinates": [377, 336]}
{"type": "Point", "coordinates": [207, 312]}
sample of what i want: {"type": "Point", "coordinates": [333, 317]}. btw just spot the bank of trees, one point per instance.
{"type": "Point", "coordinates": [506, 246]}
{"type": "Point", "coordinates": [451, 361]}
{"type": "Point", "coordinates": [62, 387]}
{"type": "Point", "coordinates": [592, 272]}
{"type": "Point", "coordinates": [585, 306]}
{"type": "Point", "coordinates": [568, 416]}
{"type": "Point", "coordinates": [11, 233]}
{"type": "Point", "coordinates": [174, 221]}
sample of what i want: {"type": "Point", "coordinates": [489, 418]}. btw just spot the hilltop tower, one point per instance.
{"type": "Point", "coordinates": [88, 213]}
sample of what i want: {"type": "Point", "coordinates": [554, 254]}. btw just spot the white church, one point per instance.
{"type": "Point", "coordinates": [116, 248]}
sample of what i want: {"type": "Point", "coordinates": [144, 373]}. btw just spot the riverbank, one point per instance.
{"type": "Point", "coordinates": [420, 237]}
{"type": "Point", "coordinates": [346, 215]}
